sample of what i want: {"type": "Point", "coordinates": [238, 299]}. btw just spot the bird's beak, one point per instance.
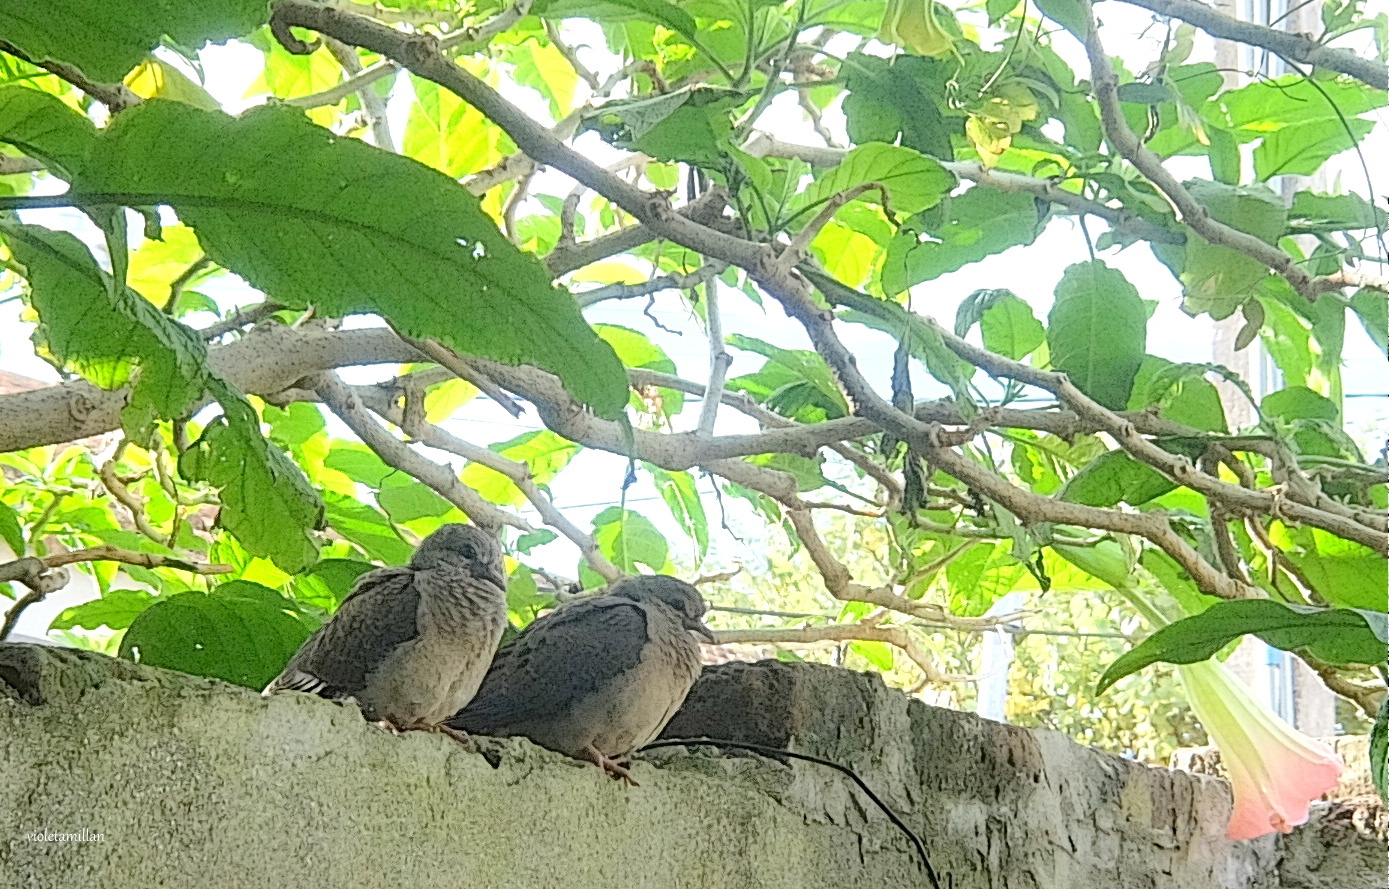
{"type": "Point", "coordinates": [497, 577]}
{"type": "Point", "coordinates": [699, 629]}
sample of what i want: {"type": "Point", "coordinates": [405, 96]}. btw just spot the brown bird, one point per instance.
{"type": "Point", "coordinates": [411, 645]}
{"type": "Point", "coordinates": [597, 679]}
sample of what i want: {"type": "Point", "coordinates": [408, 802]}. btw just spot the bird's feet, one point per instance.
{"type": "Point", "coordinates": [618, 771]}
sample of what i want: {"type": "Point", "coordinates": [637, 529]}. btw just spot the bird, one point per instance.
{"type": "Point", "coordinates": [410, 645]}
{"type": "Point", "coordinates": [598, 678]}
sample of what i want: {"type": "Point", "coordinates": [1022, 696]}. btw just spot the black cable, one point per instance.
{"type": "Point", "coordinates": [777, 751]}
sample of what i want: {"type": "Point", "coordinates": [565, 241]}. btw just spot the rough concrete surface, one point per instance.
{"type": "Point", "coordinates": [192, 782]}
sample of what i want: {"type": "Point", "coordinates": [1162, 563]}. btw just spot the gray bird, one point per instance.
{"type": "Point", "coordinates": [599, 678]}
{"type": "Point", "coordinates": [411, 645]}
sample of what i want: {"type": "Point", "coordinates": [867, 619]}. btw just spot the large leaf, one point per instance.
{"type": "Point", "coordinates": [243, 633]}
{"type": "Point", "coordinates": [1218, 279]}
{"type": "Point", "coordinates": [966, 229]}
{"type": "Point", "coordinates": [913, 181]}
{"type": "Point", "coordinates": [1335, 635]}
{"type": "Point", "coordinates": [1097, 332]}
{"type": "Point", "coordinates": [113, 336]}
{"type": "Point", "coordinates": [1302, 149]}
{"type": "Point", "coordinates": [115, 609]}
{"type": "Point", "coordinates": [43, 126]}
{"type": "Point", "coordinates": [680, 494]}
{"type": "Point", "coordinates": [347, 228]}
{"type": "Point", "coordinates": [107, 39]}
{"type": "Point", "coordinates": [890, 98]}
{"type": "Point", "coordinates": [1113, 478]}
{"type": "Point", "coordinates": [107, 336]}
{"type": "Point", "coordinates": [544, 452]}
{"type": "Point", "coordinates": [266, 500]}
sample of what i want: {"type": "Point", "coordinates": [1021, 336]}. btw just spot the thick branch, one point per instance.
{"type": "Point", "coordinates": [1296, 47]}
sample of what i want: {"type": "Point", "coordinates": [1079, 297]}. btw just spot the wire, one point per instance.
{"type": "Point", "coordinates": [777, 751]}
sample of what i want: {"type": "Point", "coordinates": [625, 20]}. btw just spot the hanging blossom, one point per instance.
{"type": "Point", "coordinates": [912, 25]}
{"type": "Point", "coordinates": [1276, 771]}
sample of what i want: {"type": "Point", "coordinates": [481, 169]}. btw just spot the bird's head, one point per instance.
{"type": "Point", "coordinates": [675, 594]}
{"type": "Point", "coordinates": [480, 551]}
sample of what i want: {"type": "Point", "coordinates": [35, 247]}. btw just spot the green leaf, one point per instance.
{"type": "Point", "coordinates": [1180, 392]}
{"type": "Point", "coordinates": [1097, 332]}
{"type": "Point", "coordinates": [328, 582]}
{"type": "Point", "coordinates": [266, 500]}
{"type": "Point", "coordinates": [891, 100]}
{"type": "Point", "coordinates": [1335, 635]}
{"type": "Point", "coordinates": [690, 125]}
{"type": "Point", "coordinates": [627, 539]}
{"type": "Point", "coordinates": [10, 530]}
{"type": "Point", "coordinates": [445, 132]}
{"type": "Point", "coordinates": [1217, 279]}
{"type": "Point", "coordinates": [1113, 478]}
{"type": "Point", "coordinates": [635, 349]}
{"type": "Point", "coordinates": [997, 9]}
{"type": "Point", "coordinates": [914, 182]}
{"type": "Point", "coordinates": [115, 609]}
{"type": "Point", "coordinates": [544, 452]}
{"type": "Point", "coordinates": [335, 223]}
{"type": "Point", "coordinates": [791, 378]}
{"type": "Point", "coordinates": [106, 40]}
{"type": "Point", "coordinates": [1073, 15]}
{"type": "Point", "coordinates": [976, 224]}
{"type": "Point", "coordinates": [1299, 403]}
{"type": "Point", "coordinates": [1372, 308]}
{"type": "Point", "coordinates": [411, 500]}
{"type": "Point", "coordinates": [368, 528]}
{"type": "Point", "coordinates": [1345, 573]}
{"type": "Point", "coordinates": [1302, 149]}
{"type": "Point", "coordinates": [293, 424]}
{"type": "Point", "coordinates": [658, 11]}
{"type": "Point", "coordinates": [879, 654]}
{"type": "Point", "coordinates": [105, 336]}
{"type": "Point", "coordinates": [43, 126]}
{"type": "Point", "coordinates": [682, 497]}
{"type": "Point", "coordinates": [1312, 212]}
{"type": "Point", "coordinates": [242, 633]}
{"type": "Point", "coordinates": [1009, 328]}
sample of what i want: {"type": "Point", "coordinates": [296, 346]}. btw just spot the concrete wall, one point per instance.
{"type": "Point", "coordinates": [191, 782]}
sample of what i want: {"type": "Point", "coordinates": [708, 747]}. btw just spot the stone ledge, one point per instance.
{"type": "Point", "coordinates": [194, 781]}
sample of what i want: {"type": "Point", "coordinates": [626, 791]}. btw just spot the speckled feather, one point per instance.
{"type": "Point", "coordinates": [608, 672]}
{"type": "Point", "coordinates": [410, 645]}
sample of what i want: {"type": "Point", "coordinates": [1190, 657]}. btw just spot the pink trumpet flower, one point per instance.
{"type": "Point", "coordinates": [1276, 771]}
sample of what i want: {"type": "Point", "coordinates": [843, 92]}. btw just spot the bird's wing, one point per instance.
{"type": "Point", "coordinates": [557, 662]}
{"type": "Point", "coordinates": [376, 618]}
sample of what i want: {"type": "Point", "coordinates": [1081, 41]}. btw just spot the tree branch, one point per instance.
{"type": "Point", "coordinates": [1297, 47]}
{"type": "Point", "coordinates": [1131, 148]}
{"type": "Point", "coordinates": [766, 145]}
{"type": "Point", "coordinates": [344, 401]}
{"type": "Point", "coordinates": [47, 575]}
{"type": "Point", "coordinates": [520, 475]}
